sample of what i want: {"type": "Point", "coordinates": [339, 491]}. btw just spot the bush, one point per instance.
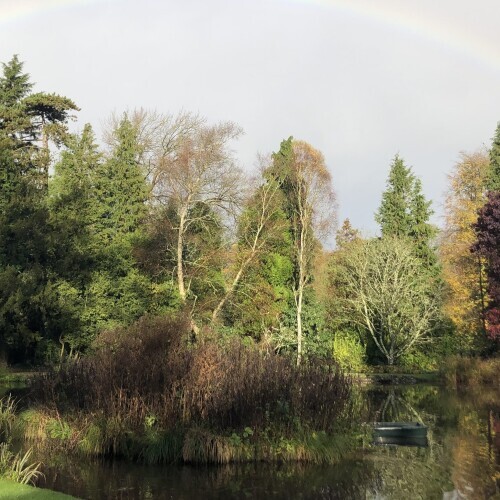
{"type": "Point", "coordinates": [146, 381]}
{"type": "Point", "coordinates": [349, 352]}
{"type": "Point", "coordinates": [460, 372]}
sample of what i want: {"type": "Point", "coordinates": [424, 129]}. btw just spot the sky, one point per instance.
{"type": "Point", "coordinates": [360, 80]}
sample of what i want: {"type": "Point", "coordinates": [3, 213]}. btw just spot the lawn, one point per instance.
{"type": "Point", "coordinates": [9, 490]}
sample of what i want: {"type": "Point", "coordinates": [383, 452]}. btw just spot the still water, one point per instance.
{"type": "Point", "coordinates": [461, 461]}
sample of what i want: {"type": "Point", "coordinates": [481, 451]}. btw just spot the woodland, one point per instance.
{"type": "Point", "coordinates": [156, 220]}
{"type": "Point", "coordinates": [172, 308]}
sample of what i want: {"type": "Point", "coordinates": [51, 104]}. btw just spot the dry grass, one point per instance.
{"type": "Point", "coordinates": [145, 392]}
{"type": "Point", "coordinates": [460, 372]}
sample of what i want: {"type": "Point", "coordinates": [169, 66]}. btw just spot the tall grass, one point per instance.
{"type": "Point", "coordinates": [18, 466]}
{"type": "Point", "coordinates": [7, 416]}
{"type": "Point", "coordinates": [461, 372]}
{"type": "Point", "coordinates": [145, 392]}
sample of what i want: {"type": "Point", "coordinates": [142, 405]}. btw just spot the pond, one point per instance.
{"type": "Point", "coordinates": [462, 460]}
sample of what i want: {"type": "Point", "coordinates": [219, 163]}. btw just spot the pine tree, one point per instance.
{"type": "Point", "coordinates": [394, 215]}
{"type": "Point", "coordinates": [120, 188]}
{"type": "Point", "coordinates": [346, 234]}
{"type": "Point", "coordinates": [404, 213]}
{"type": "Point", "coordinates": [30, 310]}
{"type": "Point", "coordinates": [493, 182]}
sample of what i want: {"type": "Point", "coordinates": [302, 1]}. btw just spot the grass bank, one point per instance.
{"type": "Point", "coordinates": [462, 372]}
{"type": "Point", "coordinates": [10, 490]}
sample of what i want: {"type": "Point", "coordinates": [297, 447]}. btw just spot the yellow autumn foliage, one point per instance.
{"type": "Point", "coordinates": [463, 270]}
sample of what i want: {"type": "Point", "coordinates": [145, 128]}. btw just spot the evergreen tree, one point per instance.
{"type": "Point", "coordinates": [404, 212]}
{"type": "Point", "coordinates": [493, 182]}
{"type": "Point", "coordinates": [308, 202]}
{"type": "Point", "coordinates": [394, 215]}
{"type": "Point", "coordinates": [31, 316]}
{"type": "Point", "coordinates": [120, 187]}
{"type": "Point", "coordinates": [118, 292]}
{"type": "Point", "coordinates": [346, 234]}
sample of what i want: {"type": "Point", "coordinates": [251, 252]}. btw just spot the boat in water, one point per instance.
{"type": "Point", "coordinates": [400, 433]}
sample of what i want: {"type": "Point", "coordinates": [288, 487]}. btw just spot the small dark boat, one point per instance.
{"type": "Point", "coordinates": [400, 433]}
{"type": "Point", "coordinates": [400, 429]}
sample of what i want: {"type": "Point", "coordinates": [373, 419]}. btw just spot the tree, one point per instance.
{"type": "Point", "coordinates": [389, 294]}
{"type": "Point", "coordinates": [30, 121]}
{"type": "Point", "coordinates": [493, 183]}
{"type": "Point", "coordinates": [98, 203]}
{"type": "Point", "coordinates": [487, 231]}
{"type": "Point", "coordinates": [404, 212]}
{"type": "Point", "coordinates": [197, 168]}
{"type": "Point", "coordinates": [463, 271]}
{"type": "Point", "coordinates": [30, 309]}
{"type": "Point", "coordinates": [121, 191]}
{"type": "Point", "coordinates": [346, 234]}
{"type": "Point", "coordinates": [309, 202]}
{"type": "Point", "coordinates": [259, 224]}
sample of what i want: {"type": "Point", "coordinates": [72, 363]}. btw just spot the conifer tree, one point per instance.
{"type": "Point", "coordinates": [404, 212]}
{"type": "Point", "coordinates": [30, 310]}
{"type": "Point", "coordinates": [493, 182]}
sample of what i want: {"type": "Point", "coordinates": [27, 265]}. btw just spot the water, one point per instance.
{"type": "Point", "coordinates": [462, 460]}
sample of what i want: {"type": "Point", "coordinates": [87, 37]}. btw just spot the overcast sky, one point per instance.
{"type": "Point", "coordinates": [361, 80]}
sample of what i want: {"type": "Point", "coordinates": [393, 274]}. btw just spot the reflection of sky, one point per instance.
{"type": "Point", "coordinates": [359, 82]}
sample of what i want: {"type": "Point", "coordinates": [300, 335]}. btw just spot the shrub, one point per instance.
{"type": "Point", "coordinates": [17, 467]}
{"type": "Point", "coordinates": [461, 372]}
{"type": "Point", "coordinates": [147, 383]}
{"type": "Point", "coordinates": [349, 352]}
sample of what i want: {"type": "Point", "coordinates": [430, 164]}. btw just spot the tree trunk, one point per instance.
{"type": "Point", "coordinates": [233, 286]}
{"type": "Point", "coordinates": [180, 268]}
{"type": "Point", "coordinates": [299, 324]}
{"type": "Point", "coordinates": [482, 293]}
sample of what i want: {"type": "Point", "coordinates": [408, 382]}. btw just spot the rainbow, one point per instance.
{"type": "Point", "coordinates": [398, 16]}
{"type": "Point", "coordinates": [434, 30]}
{"type": "Point", "coordinates": [11, 10]}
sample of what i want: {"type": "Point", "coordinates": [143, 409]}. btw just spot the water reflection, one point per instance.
{"type": "Point", "coordinates": [462, 460]}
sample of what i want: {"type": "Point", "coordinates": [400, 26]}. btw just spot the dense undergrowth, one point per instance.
{"type": "Point", "coordinates": [461, 372]}
{"type": "Point", "coordinates": [146, 393]}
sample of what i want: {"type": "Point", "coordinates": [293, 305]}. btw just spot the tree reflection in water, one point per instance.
{"type": "Point", "coordinates": [461, 461]}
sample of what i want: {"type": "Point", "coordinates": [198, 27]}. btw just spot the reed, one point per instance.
{"type": "Point", "coordinates": [461, 372]}
{"type": "Point", "coordinates": [18, 467]}
{"type": "Point", "coordinates": [146, 393]}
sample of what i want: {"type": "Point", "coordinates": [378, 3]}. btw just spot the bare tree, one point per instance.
{"type": "Point", "coordinates": [389, 293]}
{"type": "Point", "coordinates": [158, 135]}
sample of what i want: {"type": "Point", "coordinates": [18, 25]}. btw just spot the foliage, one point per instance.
{"type": "Point", "coordinates": [464, 372]}
{"type": "Point", "coordinates": [404, 212]}
{"type": "Point", "coordinates": [211, 386]}
{"type": "Point", "coordinates": [463, 271]}
{"type": "Point", "coordinates": [388, 294]}
{"type": "Point", "coordinates": [346, 234]}
{"type": "Point", "coordinates": [17, 467]}
{"type": "Point", "coordinates": [487, 230]}
{"type": "Point", "coordinates": [349, 352]}
{"type": "Point", "coordinates": [309, 204]}
{"type": "Point", "coordinates": [493, 181]}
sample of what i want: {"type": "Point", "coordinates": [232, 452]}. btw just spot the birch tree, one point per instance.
{"type": "Point", "coordinates": [259, 224]}
{"type": "Point", "coordinates": [310, 203]}
{"type": "Point", "coordinates": [197, 168]}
